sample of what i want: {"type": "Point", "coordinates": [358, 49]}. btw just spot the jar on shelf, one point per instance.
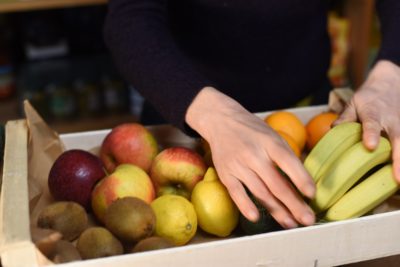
{"type": "Point", "coordinates": [62, 101]}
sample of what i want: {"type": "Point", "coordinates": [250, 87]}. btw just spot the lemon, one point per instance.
{"type": "Point", "coordinates": [176, 219]}
{"type": "Point", "coordinates": [217, 213]}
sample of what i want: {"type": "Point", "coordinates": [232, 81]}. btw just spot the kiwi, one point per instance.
{"type": "Point", "coordinates": [130, 219]}
{"type": "Point", "coordinates": [67, 217]}
{"type": "Point", "coordinates": [152, 243]}
{"type": "Point", "coordinates": [64, 252]}
{"type": "Point", "coordinates": [98, 242]}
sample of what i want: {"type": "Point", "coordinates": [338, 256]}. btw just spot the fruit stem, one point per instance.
{"type": "Point", "coordinates": [211, 175]}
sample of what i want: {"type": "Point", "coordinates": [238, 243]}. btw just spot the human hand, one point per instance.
{"type": "Point", "coordinates": [247, 152]}
{"type": "Point", "coordinates": [376, 105]}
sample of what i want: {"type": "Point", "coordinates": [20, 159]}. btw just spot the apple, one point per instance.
{"type": "Point", "coordinates": [176, 170]}
{"type": "Point", "coordinates": [73, 176]}
{"type": "Point", "coordinates": [127, 180]}
{"type": "Point", "coordinates": [128, 143]}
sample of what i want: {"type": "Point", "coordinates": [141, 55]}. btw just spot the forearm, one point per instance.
{"type": "Point", "coordinates": [138, 35]}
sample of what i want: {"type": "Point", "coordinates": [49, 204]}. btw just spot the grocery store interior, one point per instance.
{"type": "Point", "coordinates": [52, 53]}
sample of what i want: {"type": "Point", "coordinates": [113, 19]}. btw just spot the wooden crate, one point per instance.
{"type": "Point", "coordinates": [329, 244]}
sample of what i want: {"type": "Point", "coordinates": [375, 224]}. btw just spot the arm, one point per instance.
{"type": "Point", "coordinates": [375, 103]}
{"type": "Point", "coordinates": [244, 149]}
{"type": "Point", "coordinates": [137, 34]}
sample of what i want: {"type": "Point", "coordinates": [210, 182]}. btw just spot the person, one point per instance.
{"type": "Point", "coordinates": [207, 65]}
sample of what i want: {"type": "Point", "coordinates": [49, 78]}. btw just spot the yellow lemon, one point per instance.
{"type": "Point", "coordinates": [216, 212]}
{"type": "Point", "coordinates": [176, 219]}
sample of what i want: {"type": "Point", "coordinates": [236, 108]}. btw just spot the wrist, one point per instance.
{"type": "Point", "coordinates": [207, 108]}
{"type": "Point", "coordinates": [385, 72]}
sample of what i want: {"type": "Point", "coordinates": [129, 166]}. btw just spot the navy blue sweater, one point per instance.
{"type": "Point", "coordinates": [265, 54]}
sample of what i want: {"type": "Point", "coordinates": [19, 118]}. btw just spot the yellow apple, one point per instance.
{"type": "Point", "coordinates": [127, 180]}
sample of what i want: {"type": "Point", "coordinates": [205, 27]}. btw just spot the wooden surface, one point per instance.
{"type": "Point", "coordinates": [26, 5]}
{"type": "Point", "coordinates": [330, 244]}
{"type": "Point", "coordinates": [16, 248]}
{"type": "Point", "coordinates": [360, 14]}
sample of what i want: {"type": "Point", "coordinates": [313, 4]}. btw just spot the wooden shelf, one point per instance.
{"type": "Point", "coordinates": [27, 5]}
{"type": "Point", "coordinates": [9, 110]}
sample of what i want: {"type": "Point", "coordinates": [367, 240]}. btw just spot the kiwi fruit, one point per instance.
{"type": "Point", "coordinates": [130, 219]}
{"type": "Point", "coordinates": [67, 217]}
{"type": "Point", "coordinates": [98, 242]}
{"type": "Point", "coordinates": [152, 243]}
{"type": "Point", "coordinates": [64, 252]}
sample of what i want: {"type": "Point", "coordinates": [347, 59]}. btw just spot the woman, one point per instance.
{"type": "Point", "coordinates": [206, 65]}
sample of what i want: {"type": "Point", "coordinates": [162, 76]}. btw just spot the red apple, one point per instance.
{"type": "Point", "coordinates": [176, 170]}
{"type": "Point", "coordinates": [127, 180]}
{"type": "Point", "coordinates": [129, 143]}
{"type": "Point", "coordinates": [73, 176]}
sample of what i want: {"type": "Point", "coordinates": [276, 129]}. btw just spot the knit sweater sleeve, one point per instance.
{"type": "Point", "coordinates": [146, 54]}
{"type": "Point", "coordinates": [389, 16]}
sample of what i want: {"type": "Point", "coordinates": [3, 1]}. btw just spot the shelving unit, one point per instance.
{"type": "Point", "coordinates": [28, 5]}
{"type": "Point", "coordinates": [360, 14]}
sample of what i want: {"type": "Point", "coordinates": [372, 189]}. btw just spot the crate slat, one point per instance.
{"type": "Point", "coordinates": [16, 246]}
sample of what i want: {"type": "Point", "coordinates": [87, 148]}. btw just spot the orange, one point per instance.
{"type": "Point", "coordinates": [318, 126]}
{"type": "Point", "coordinates": [289, 123]}
{"type": "Point", "coordinates": [291, 143]}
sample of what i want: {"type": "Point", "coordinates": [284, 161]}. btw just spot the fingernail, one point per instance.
{"type": "Point", "coordinates": [308, 219]}
{"type": "Point", "coordinates": [252, 216]}
{"type": "Point", "coordinates": [370, 142]}
{"type": "Point", "coordinates": [289, 223]}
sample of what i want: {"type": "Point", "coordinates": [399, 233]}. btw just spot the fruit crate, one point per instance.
{"type": "Point", "coordinates": [329, 244]}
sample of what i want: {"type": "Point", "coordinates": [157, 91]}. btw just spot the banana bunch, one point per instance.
{"type": "Point", "coordinates": [348, 182]}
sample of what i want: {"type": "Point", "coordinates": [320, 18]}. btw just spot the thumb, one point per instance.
{"type": "Point", "coordinates": [349, 114]}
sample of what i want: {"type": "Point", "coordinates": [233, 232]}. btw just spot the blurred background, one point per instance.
{"type": "Point", "coordinates": [52, 53]}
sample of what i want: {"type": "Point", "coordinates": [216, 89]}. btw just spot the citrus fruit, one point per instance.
{"type": "Point", "coordinates": [217, 214]}
{"type": "Point", "coordinates": [290, 124]}
{"type": "Point", "coordinates": [318, 126]}
{"type": "Point", "coordinates": [176, 219]}
{"type": "Point", "coordinates": [293, 145]}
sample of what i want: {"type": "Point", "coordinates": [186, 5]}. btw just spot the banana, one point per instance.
{"type": "Point", "coordinates": [346, 171]}
{"type": "Point", "coordinates": [330, 147]}
{"type": "Point", "coordinates": [365, 196]}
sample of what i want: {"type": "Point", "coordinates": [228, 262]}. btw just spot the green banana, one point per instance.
{"type": "Point", "coordinates": [346, 171]}
{"type": "Point", "coordinates": [365, 196]}
{"type": "Point", "coordinates": [330, 147]}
